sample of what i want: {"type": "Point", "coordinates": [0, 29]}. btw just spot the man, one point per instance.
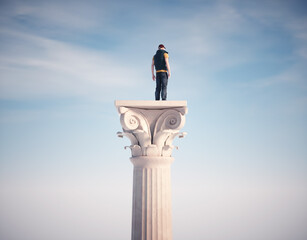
{"type": "Point", "coordinates": [163, 72]}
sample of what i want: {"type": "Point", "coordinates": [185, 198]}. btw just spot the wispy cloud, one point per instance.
{"type": "Point", "coordinates": [55, 15]}
{"type": "Point", "coordinates": [36, 61]}
{"type": "Point", "coordinates": [41, 66]}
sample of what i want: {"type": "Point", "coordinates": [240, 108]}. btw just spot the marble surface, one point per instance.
{"type": "Point", "coordinates": [151, 126]}
{"type": "Point", "coordinates": [145, 104]}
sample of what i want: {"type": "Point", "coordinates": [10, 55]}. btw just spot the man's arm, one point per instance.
{"type": "Point", "coordinates": [168, 68]}
{"type": "Point", "coordinates": [153, 70]}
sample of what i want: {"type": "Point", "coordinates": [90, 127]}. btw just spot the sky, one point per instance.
{"type": "Point", "coordinates": [239, 174]}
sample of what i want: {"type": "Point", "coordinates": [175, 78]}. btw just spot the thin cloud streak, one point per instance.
{"type": "Point", "coordinates": [71, 16]}
{"type": "Point", "coordinates": [211, 32]}
{"type": "Point", "coordinates": [44, 66]}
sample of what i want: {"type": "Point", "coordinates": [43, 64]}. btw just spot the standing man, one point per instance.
{"type": "Point", "coordinates": [163, 72]}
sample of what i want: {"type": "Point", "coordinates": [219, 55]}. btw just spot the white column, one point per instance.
{"type": "Point", "coordinates": [151, 206]}
{"type": "Point", "coordinates": [151, 126]}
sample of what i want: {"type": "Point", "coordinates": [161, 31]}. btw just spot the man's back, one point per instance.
{"type": "Point", "coordinates": [159, 60]}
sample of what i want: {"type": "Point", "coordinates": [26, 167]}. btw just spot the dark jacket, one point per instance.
{"type": "Point", "coordinates": [159, 60]}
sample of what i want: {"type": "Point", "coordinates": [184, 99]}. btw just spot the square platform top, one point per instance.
{"type": "Point", "coordinates": [145, 104]}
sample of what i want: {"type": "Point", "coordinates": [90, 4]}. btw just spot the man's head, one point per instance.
{"type": "Point", "coordinates": [161, 46]}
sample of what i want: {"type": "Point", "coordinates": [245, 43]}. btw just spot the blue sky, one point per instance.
{"type": "Point", "coordinates": [241, 65]}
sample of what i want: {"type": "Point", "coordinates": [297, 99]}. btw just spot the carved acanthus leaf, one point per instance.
{"type": "Point", "coordinates": [131, 137]}
{"type": "Point", "coordinates": [132, 120]}
{"type": "Point", "coordinates": [165, 128]}
{"type": "Point", "coordinates": [170, 139]}
{"type": "Point", "coordinates": [170, 119]}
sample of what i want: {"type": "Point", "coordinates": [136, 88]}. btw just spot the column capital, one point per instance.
{"type": "Point", "coordinates": [151, 126]}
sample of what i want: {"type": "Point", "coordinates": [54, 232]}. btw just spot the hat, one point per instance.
{"type": "Point", "coordinates": [162, 46]}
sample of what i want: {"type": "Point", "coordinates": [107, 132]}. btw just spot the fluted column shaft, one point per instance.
{"type": "Point", "coordinates": [151, 211]}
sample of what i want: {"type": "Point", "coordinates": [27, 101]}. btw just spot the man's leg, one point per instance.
{"type": "Point", "coordinates": [164, 81]}
{"type": "Point", "coordinates": [158, 86]}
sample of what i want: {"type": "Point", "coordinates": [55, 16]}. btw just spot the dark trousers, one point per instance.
{"type": "Point", "coordinates": [161, 85]}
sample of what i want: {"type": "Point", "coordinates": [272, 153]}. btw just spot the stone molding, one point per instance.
{"type": "Point", "coordinates": [151, 162]}
{"type": "Point", "coordinates": [151, 126]}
